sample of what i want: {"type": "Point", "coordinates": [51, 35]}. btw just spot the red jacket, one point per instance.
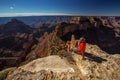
{"type": "Point", "coordinates": [82, 47]}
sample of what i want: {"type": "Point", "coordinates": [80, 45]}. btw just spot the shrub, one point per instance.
{"type": "Point", "coordinates": [3, 73]}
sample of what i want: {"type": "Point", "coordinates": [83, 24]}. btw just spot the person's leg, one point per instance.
{"type": "Point", "coordinates": [83, 57]}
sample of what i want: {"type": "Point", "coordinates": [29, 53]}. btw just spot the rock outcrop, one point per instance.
{"type": "Point", "coordinates": [49, 44]}
{"type": "Point", "coordinates": [98, 66]}
{"type": "Point", "coordinates": [47, 68]}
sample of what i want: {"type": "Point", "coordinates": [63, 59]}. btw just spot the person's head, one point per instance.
{"type": "Point", "coordinates": [82, 39]}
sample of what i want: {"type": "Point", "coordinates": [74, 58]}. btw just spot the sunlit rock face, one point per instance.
{"type": "Point", "coordinates": [99, 64]}
{"type": "Point", "coordinates": [47, 68]}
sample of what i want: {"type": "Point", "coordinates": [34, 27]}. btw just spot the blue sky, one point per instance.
{"type": "Point", "coordinates": [59, 7]}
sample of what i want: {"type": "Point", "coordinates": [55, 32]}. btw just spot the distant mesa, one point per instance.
{"type": "Point", "coordinates": [13, 27]}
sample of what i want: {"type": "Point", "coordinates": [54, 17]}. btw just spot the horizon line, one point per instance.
{"type": "Point", "coordinates": [45, 14]}
{"type": "Point", "coordinates": [31, 14]}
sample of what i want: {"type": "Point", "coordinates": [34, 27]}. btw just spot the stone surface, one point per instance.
{"type": "Point", "coordinates": [47, 68]}
{"type": "Point", "coordinates": [98, 64]}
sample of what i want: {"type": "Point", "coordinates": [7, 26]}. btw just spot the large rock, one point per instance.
{"type": "Point", "coordinates": [48, 68]}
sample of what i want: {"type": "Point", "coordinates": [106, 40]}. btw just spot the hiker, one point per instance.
{"type": "Point", "coordinates": [82, 47]}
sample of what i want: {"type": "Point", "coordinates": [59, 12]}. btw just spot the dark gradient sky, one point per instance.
{"type": "Point", "coordinates": [74, 7]}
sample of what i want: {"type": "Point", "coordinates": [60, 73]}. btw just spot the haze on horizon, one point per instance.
{"type": "Point", "coordinates": [59, 7]}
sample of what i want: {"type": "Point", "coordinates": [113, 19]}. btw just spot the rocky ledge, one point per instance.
{"type": "Point", "coordinates": [98, 65]}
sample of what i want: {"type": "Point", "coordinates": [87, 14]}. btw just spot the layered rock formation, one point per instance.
{"type": "Point", "coordinates": [102, 53]}
{"type": "Point", "coordinates": [94, 31]}
{"type": "Point", "coordinates": [16, 40]}
{"type": "Point", "coordinates": [49, 44]}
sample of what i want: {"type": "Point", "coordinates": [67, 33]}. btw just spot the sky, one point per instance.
{"type": "Point", "coordinates": [59, 7]}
